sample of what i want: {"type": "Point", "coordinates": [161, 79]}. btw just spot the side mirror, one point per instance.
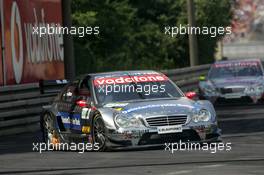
{"type": "Point", "coordinates": [191, 95]}
{"type": "Point", "coordinates": [202, 78]}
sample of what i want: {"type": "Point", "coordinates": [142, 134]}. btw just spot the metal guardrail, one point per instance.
{"type": "Point", "coordinates": [187, 78]}
{"type": "Point", "coordinates": [21, 105]}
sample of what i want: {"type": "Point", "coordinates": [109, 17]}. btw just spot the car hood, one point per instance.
{"type": "Point", "coordinates": [156, 107]}
{"type": "Point", "coordinates": [237, 81]}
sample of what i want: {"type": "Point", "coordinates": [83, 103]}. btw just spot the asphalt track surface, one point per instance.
{"type": "Point", "coordinates": [245, 157]}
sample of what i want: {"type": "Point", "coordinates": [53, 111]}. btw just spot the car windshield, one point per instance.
{"type": "Point", "coordinates": [134, 87]}
{"type": "Point", "coordinates": [235, 69]}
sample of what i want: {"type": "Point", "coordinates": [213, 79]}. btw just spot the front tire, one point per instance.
{"type": "Point", "coordinates": [99, 133]}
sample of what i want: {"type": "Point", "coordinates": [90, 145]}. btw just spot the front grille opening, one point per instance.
{"type": "Point", "coordinates": [232, 90]}
{"type": "Point", "coordinates": [242, 100]}
{"type": "Point", "coordinates": [167, 120]}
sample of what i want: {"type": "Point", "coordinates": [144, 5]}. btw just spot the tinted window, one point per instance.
{"type": "Point", "coordinates": [135, 90]}
{"type": "Point", "coordinates": [235, 69]}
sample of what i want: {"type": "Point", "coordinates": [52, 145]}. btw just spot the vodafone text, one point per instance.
{"type": "Point", "coordinates": [130, 79]}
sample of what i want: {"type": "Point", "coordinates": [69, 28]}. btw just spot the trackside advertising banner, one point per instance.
{"type": "Point", "coordinates": [27, 56]}
{"type": "Point", "coordinates": [1, 61]}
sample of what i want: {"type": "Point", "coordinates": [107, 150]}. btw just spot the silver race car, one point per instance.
{"type": "Point", "coordinates": [127, 109]}
{"type": "Point", "coordinates": [233, 80]}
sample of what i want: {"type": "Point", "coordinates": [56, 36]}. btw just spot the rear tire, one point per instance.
{"type": "Point", "coordinates": [48, 127]}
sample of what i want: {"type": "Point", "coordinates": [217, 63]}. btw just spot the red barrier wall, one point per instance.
{"type": "Point", "coordinates": [29, 57]}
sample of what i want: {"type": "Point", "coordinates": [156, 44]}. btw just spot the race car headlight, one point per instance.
{"type": "Point", "coordinates": [202, 116]}
{"type": "Point", "coordinates": [250, 90]}
{"type": "Point", "coordinates": [209, 90]}
{"type": "Point", "coordinates": [259, 89]}
{"type": "Point", "coordinates": [255, 89]}
{"type": "Point", "coordinates": [127, 122]}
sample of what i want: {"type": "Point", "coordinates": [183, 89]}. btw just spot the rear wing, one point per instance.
{"type": "Point", "coordinates": [51, 86]}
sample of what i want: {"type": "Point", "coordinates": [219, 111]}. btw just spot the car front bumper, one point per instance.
{"type": "Point", "coordinates": [149, 136]}
{"type": "Point", "coordinates": [253, 98]}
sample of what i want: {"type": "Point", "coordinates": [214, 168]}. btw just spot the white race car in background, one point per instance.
{"type": "Point", "coordinates": [240, 80]}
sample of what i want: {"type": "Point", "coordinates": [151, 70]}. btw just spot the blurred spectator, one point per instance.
{"type": "Point", "coordinates": [248, 21]}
